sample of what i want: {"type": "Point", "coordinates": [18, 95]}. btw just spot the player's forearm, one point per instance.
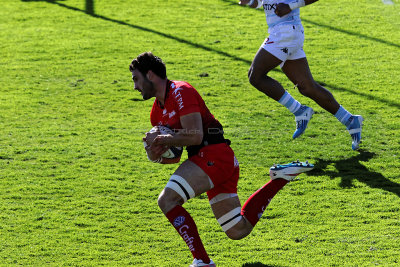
{"type": "Point", "coordinates": [186, 138]}
{"type": "Point", "coordinates": [183, 137]}
{"type": "Point", "coordinates": [251, 3]}
{"type": "Point", "coordinates": [300, 3]}
{"type": "Point", "coordinates": [254, 4]}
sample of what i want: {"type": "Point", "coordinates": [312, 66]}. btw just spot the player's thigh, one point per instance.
{"type": "Point", "coordinates": [298, 71]}
{"type": "Point", "coordinates": [187, 182]}
{"type": "Point", "coordinates": [263, 62]}
{"type": "Point", "coordinates": [227, 211]}
{"type": "Point", "coordinates": [194, 176]}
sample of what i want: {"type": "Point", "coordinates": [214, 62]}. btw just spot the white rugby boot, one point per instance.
{"type": "Point", "coordinates": [302, 118]}
{"type": "Point", "coordinates": [200, 263]}
{"type": "Point", "coordinates": [289, 171]}
{"type": "Point", "coordinates": [355, 131]}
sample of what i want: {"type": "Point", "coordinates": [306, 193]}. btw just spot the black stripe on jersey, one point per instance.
{"type": "Point", "coordinates": [183, 189]}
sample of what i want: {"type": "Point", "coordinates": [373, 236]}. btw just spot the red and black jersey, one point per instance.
{"type": "Point", "coordinates": [182, 99]}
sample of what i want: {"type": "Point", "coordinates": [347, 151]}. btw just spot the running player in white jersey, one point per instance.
{"type": "Point", "coordinates": [284, 47]}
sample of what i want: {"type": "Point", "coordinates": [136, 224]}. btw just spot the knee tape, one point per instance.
{"type": "Point", "coordinates": [180, 186]}
{"type": "Point", "coordinates": [221, 197]}
{"type": "Point", "coordinates": [230, 219]}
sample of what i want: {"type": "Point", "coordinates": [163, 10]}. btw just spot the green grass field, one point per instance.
{"type": "Point", "coordinates": [76, 188]}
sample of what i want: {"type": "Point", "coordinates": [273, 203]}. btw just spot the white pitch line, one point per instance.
{"type": "Point", "coordinates": [388, 2]}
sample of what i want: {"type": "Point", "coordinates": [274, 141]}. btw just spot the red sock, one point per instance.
{"type": "Point", "coordinates": [258, 202]}
{"type": "Point", "coordinates": [187, 229]}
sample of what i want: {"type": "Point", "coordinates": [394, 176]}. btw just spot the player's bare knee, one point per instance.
{"type": "Point", "coordinates": [251, 76]}
{"type": "Point", "coordinates": [249, 73]}
{"type": "Point", "coordinates": [168, 200]}
{"type": "Point", "coordinates": [237, 233]}
{"type": "Point", "coordinates": [234, 224]}
{"type": "Point", "coordinates": [307, 88]}
{"type": "Point", "coordinates": [254, 77]}
{"type": "Point", "coordinates": [176, 192]}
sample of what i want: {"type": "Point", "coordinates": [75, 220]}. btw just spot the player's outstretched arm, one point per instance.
{"type": "Point", "coordinates": [284, 9]}
{"type": "Point", "coordinates": [251, 3]}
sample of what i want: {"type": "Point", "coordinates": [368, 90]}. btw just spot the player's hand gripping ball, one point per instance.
{"type": "Point", "coordinates": [173, 151]}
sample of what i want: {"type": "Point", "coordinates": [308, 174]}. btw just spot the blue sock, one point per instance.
{"type": "Point", "coordinates": [343, 116]}
{"type": "Point", "coordinates": [289, 102]}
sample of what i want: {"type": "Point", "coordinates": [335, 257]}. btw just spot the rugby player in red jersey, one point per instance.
{"type": "Point", "coordinates": [211, 165]}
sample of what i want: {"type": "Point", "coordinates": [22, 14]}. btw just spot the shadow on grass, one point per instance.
{"type": "Point", "coordinates": [370, 97]}
{"type": "Point", "coordinates": [361, 36]}
{"type": "Point", "coordinates": [89, 10]}
{"type": "Point", "coordinates": [89, 4]}
{"type": "Point", "coordinates": [353, 169]}
{"type": "Point", "coordinates": [166, 35]}
{"type": "Point", "coordinates": [329, 27]}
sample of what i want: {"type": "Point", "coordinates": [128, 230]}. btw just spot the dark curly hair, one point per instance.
{"type": "Point", "coordinates": [147, 61]}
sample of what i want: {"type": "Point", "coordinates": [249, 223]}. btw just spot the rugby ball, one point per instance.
{"type": "Point", "coordinates": [174, 151]}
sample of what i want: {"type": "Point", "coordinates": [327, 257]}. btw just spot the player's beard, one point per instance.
{"type": "Point", "coordinates": [148, 90]}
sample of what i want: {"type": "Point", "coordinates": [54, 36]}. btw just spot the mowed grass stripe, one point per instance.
{"type": "Point", "coordinates": [77, 189]}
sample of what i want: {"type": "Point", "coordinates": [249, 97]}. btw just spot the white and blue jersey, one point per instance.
{"type": "Point", "coordinates": [293, 18]}
{"type": "Point", "coordinates": [286, 33]}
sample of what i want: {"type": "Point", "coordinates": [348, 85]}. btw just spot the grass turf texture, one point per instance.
{"type": "Point", "coordinates": [76, 187]}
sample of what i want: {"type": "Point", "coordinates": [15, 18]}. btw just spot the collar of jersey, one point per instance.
{"type": "Point", "coordinates": [168, 86]}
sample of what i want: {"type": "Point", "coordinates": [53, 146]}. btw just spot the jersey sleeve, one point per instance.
{"type": "Point", "coordinates": [186, 99]}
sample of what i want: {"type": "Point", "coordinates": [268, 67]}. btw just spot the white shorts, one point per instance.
{"type": "Point", "coordinates": [285, 42]}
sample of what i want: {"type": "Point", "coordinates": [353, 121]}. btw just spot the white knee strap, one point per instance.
{"type": "Point", "coordinates": [221, 197]}
{"type": "Point", "coordinates": [180, 186]}
{"type": "Point", "coordinates": [230, 219]}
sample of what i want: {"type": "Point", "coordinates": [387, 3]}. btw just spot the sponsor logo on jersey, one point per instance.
{"type": "Point", "coordinates": [178, 97]}
{"type": "Point", "coordinates": [177, 90]}
{"type": "Point", "coordinates": [179, 221]}
{"type": "Point", "coordinates": [268, 42]}
{"type": "Point", "coordinates": [269, 6]}
{"type": "Point", "coordinates": [171, 114]}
